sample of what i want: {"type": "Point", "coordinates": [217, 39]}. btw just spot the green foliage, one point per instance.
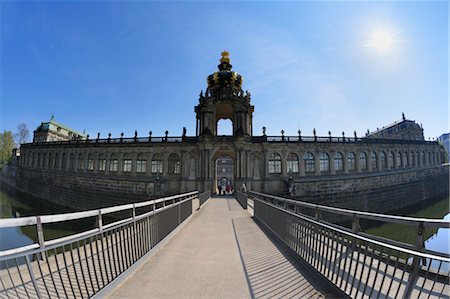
{"type": "Point", "coordinates": [6, 146]}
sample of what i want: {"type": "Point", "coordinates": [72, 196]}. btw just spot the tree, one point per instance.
{"type": "Point", "coordinates": [22, 134]}
{"type": "Point", "coordinates": [6, 146]}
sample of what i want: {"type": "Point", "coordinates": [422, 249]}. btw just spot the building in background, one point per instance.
{"type": "Point", "coordinates": [444, 139]}
{"type": "Point", "coordinates": [403, 129]}
{"type": "Point", "coordinates": [387, 170]}
{"type": "Point", "coordinates": [53, 131]}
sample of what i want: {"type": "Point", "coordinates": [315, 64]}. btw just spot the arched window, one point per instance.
{"type": "Point", "coordinates": [127, 163]}
{"type": "Point", "coordinates": [90, 162]}
{"type": "Point", "coordinates": [391, 160]}
{"type": "Point", "coordinates": [413, 159]}
{"type": "Point", "coordinates": [399, 160]}
{"type": "Point", "coordinates": [56, 161]}
{"type": "Point", "coordinates": [224, 127]}
{"type": "Point", "coordinates": [101, 162]}
{"type": "Point", "coordinates": [50, 161]}
{"type": "Point", "coordinates": [373, 161]}
{"type": "Point", "coordinates": [308, 158]}
{"type": "Point", "coordinates": [34, 160]}
{"type": "Point", "coordinates": [63, 161]}
{"type": "Point", "coordinates": [174, 164]}
{"type": "Point", "coordinates": [406, 159]}
{"type": "Point", "coordinates": [351, 161]}
{"type": "Point", "coordinates": [157, 163]}
{"type": "Point", "coordinates": [363, 160]}
{"type": "Point", "coordinates": [419, 162]}
{"type": "Point", "coordinates": [80, 162]}
{"type": "Point", "coordinates": [429, 158]}
{"type": "Point", "coordinates": [274, 163]}
{"type": "Point", "coordinates": [113, 163]}
{"type": "Point", "coordinates": [72, 161]}
{"type": "Point", "coordinates": [44, 160]}
{"type": "Point", "coordinates": [424, 162]}
{"type": "Point", "coordinates": [141, 163]}
{"type": "Point", "coordinates": [338, 162]}
{"type": "Point", "coordinates": [292, 163]}
{"type": "Point", "coordinates": [324, 162]}
{"type": "Point", "coordinates": [383, 160]}
{"type": "Point", "coordinates": [39, 160]}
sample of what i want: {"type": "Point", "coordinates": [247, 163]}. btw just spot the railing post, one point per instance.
{"type": "Point", "coordinates": [100, 221]}
{"type": "Point", "coordinates": [416, 263]}
{"type": "Point", "coordinates": [40, 236]}
{"type": "Point", "coordinates": [179, 211]}
{"type": "Point", "coordinates": [355, 224]}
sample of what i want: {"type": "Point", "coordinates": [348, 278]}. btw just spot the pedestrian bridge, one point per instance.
{"type": "Point", "coordinates": [196, 246]}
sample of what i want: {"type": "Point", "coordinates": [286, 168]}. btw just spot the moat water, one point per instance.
{"type": "Point", "coordinates": [14, 204]}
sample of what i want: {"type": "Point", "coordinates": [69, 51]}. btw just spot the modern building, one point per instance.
{"type": "Point", "coordinates": [444, 139]}
{"type": "Point", "coordinates": [314, 168]}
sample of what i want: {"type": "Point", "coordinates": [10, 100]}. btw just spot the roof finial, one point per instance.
{"type": "Point", "coordinates": [403, 116]}
{"type": "Point", "coordinates": [53, 116]}
{"type": "Point", "coordinates": [225, 57]}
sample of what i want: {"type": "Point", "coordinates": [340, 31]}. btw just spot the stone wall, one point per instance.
{"type": "Point", "coordinates": [375, 192]}
{"type": "Point", "coordinates": [82, 192]}
{"type": "Point", "coordinates": [381, 192]}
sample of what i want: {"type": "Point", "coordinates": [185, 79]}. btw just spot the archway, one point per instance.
{"type": "Point", "coordinates": [224, 127]}
{"type": "Point", "coordinates": [224, 175]}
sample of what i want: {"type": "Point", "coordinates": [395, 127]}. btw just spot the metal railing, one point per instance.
{"type": "Point", "coordinates": [203, 198]}
{"type": "Point", "coordinates": [81, 264]}
{"type": "Point", "coordinates": [359, 264]}
{"type": "Point", "coordinates": [241, 197]}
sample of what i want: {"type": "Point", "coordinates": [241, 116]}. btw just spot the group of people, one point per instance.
{"type": "Point", "coordinates": [226, 190]}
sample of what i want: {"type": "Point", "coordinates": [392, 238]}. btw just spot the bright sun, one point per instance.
{"type": "Point", "coordinates": [383, 40]}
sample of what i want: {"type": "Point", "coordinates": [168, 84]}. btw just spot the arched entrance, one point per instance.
{"type": "Point", "coordinates": [224, 175]}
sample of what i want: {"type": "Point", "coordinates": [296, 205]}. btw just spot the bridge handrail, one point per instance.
{"type": "Point", "coordinates": [32, 220]}
{"type": "Point", "coordinates": [361, 237]}
{"type": "Point", "coordinates": [341, 255]}
{"type": "Point", "coordinates": [203, 198]}
{"type": "Point", "coordinates": [98, 255]}
{"type": "Point", "coordinates": [413, 221]}
{"type": "Point", "coordinates": [39, 220]}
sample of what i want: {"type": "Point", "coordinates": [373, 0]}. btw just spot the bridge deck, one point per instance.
{"type": "Point", "coordinates": [220, 253]}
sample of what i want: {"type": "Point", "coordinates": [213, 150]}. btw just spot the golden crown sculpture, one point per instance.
{"type": "Point", "coordinates": [225, 57]}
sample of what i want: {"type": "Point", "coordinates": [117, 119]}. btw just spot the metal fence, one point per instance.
{"type": "Point", "coordinates": [242, 199]}
{"type": "Point", "coordinates": [361, 265]}
{"type": "Point", "coordinates": [81, 264]}
{"type": "Point", "coordinates": [203, 198]}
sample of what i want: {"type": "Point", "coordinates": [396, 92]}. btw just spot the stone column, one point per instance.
{"type": "Point", "coordinates": [301, 164]}
{"type": "Point", "coordinates": [96, 155]}
{"type": "Point", "coordinates": [284, 169]}
{"type": "Point", "coordinates": [317, 162]}
{"type": "Point", "coordinates": [133, 163]}
{"type": "Point", "coordinates": [357, 162]}
{"type": "Point", "coordinates": [332, 170]}
{"type": "Point", "coordinates": [120, 163]}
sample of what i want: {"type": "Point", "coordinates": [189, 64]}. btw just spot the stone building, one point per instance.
{"type": "Point", "coordinates": [53, 131]}
{"type": "Point", "coordinates": [98, 172]}
{"type": "Point", "coordinates": [405, 129]}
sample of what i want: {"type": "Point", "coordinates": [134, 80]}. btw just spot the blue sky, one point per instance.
{"type": "Point", "coordinates": [120, 66]}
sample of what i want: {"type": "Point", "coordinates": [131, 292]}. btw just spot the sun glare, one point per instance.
{"type": "Point", "coordinates": [383, 40]}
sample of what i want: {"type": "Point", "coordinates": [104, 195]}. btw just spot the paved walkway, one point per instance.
{"type": "Point", "coordinates": [220, 253]}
